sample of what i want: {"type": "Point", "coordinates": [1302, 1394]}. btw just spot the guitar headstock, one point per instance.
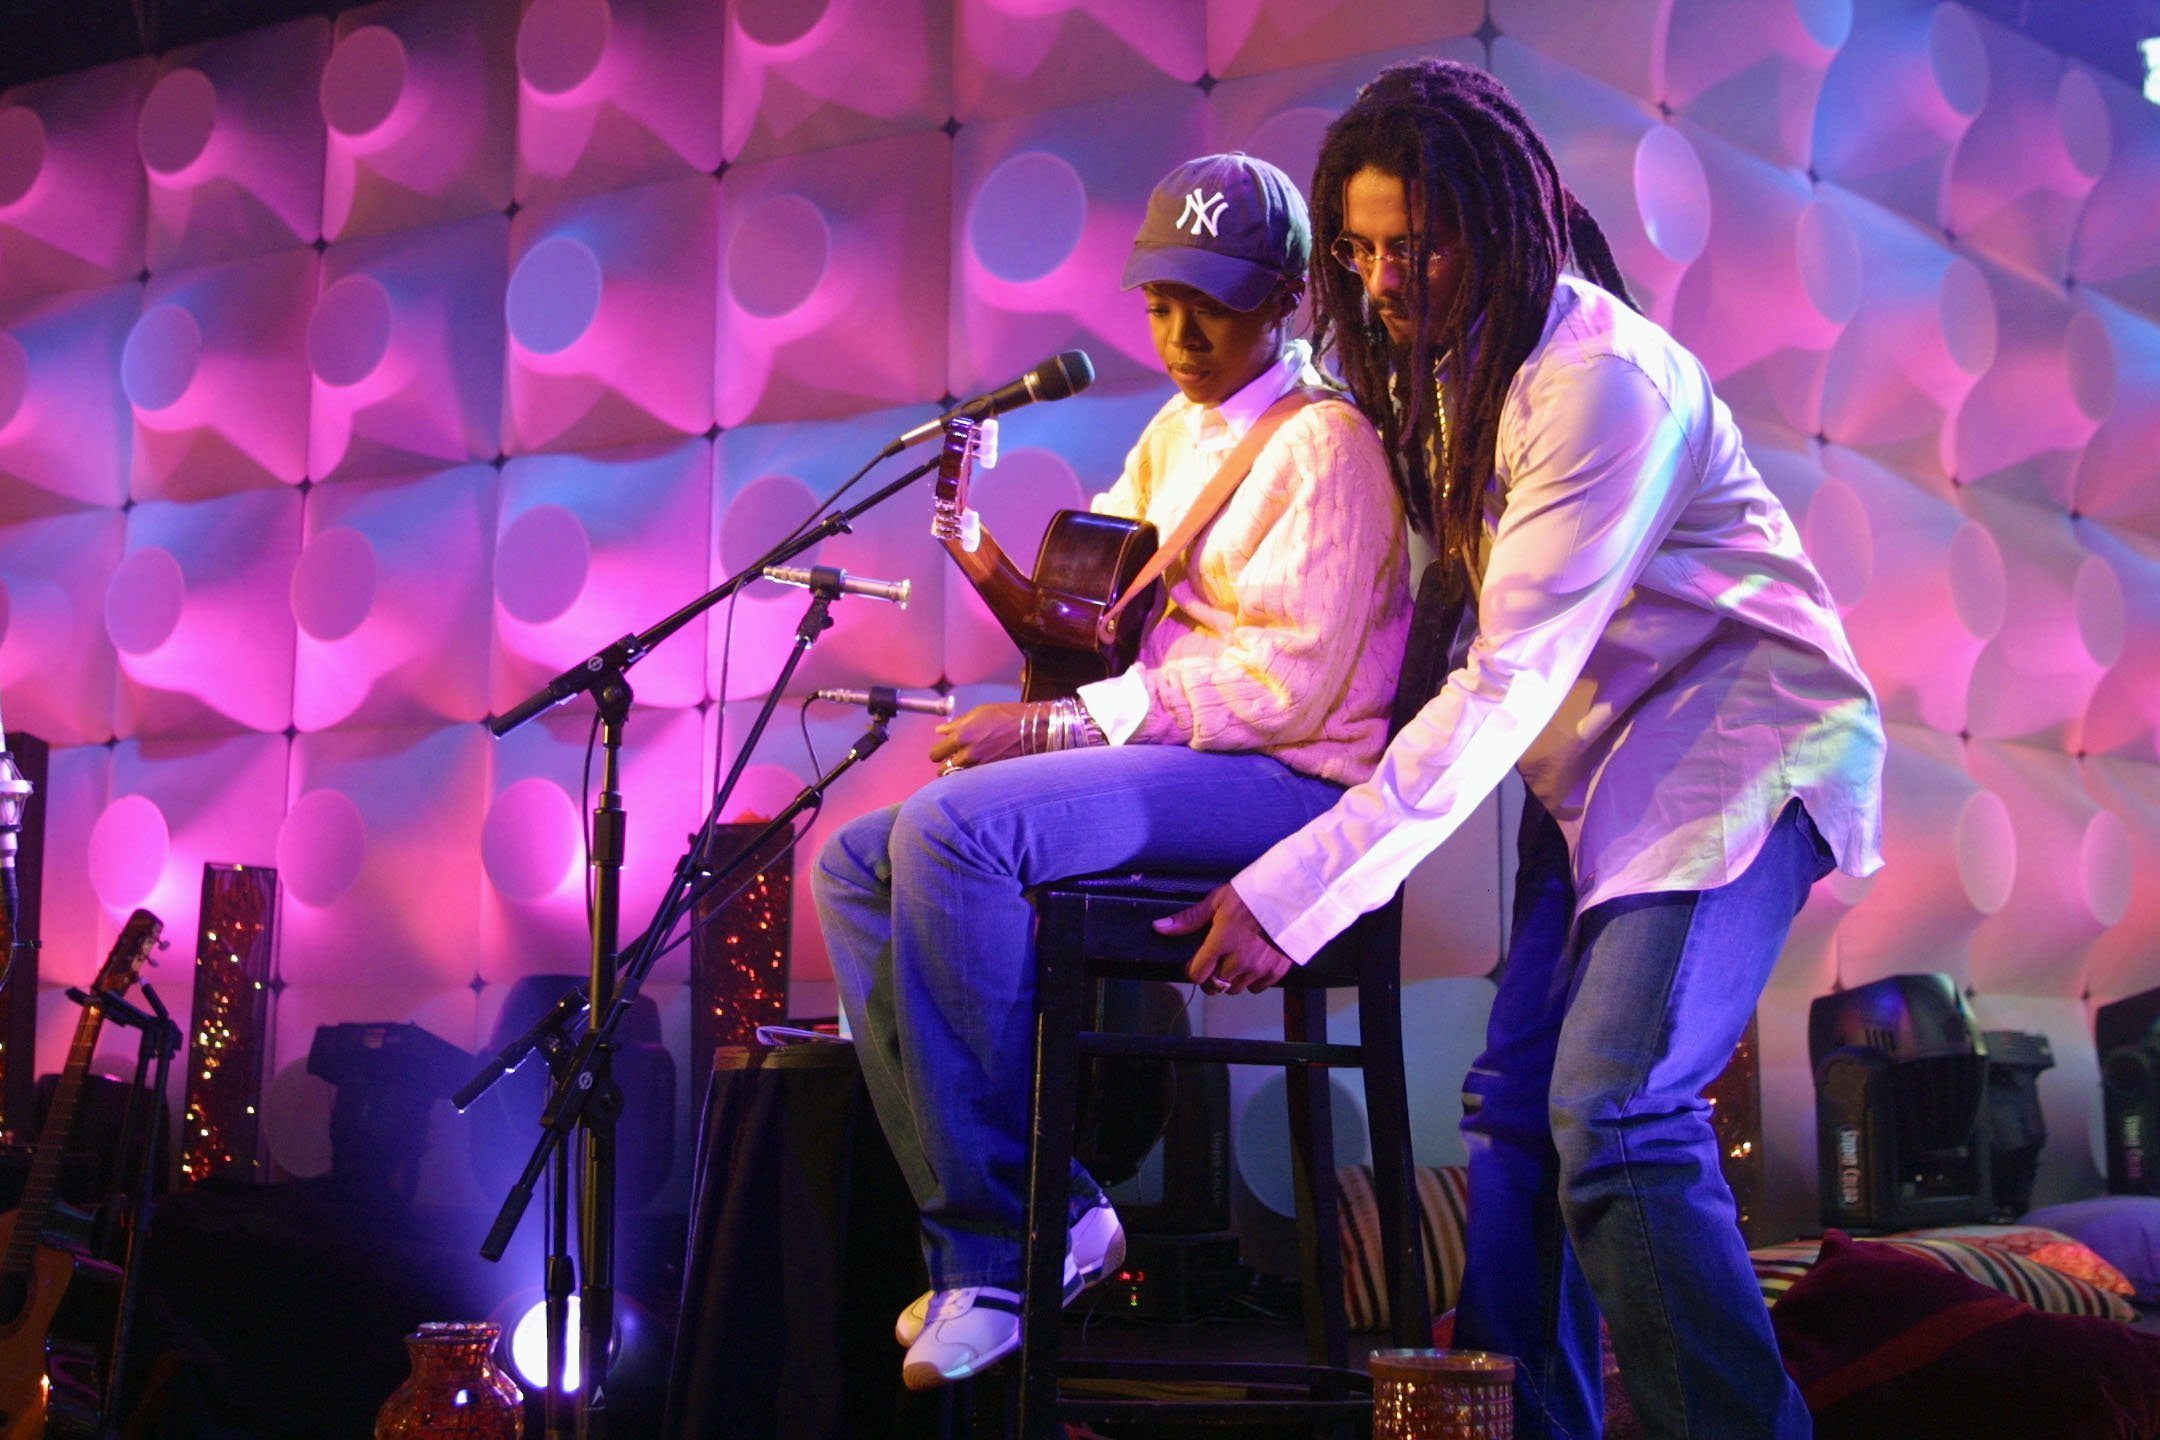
{"type": "Point", "coordinates": [129, 953]}
{"type": "Point", "coordinates": [951, 517]}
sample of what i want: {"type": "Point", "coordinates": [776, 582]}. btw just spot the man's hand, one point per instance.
{"type": "Point", "coordinates": [983, 734]}
{"type": "Point", "coordinates": [1237, 956]}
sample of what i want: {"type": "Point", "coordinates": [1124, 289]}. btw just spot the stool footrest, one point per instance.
{"type": "Point", "coordinates": [1228, 1049]}
{"type": "Point", "coordinates": [1352, 1400]}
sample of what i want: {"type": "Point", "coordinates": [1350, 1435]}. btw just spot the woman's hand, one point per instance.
{"type": "Point", "coordinates": [983, 734]}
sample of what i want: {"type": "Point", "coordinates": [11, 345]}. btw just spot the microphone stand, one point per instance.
{"type": "Point", "coordinates": [15, 790]}
{"type": "Point", "coordinates": [585, 1097]}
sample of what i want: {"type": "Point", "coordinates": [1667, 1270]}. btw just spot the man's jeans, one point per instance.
{"type": "Point", "coordinates": [932, 946]}
{"type": "Point", "coordinates": [1594, 1181]}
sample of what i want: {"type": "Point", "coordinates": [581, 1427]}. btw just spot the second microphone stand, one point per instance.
{"type": "Point", "coordinates": [586, 1098]}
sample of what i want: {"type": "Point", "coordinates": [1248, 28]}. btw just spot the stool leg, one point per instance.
{"type": "Point", "coordinates": [1387, 1113]}
{"type": "Point", "coordinates": [1060, 983]}
{"type": "Point", "coordinates": [1312, 1161]}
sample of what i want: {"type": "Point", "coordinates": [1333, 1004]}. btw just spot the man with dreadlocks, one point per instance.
{"type": "Point", "coordinates": [1660, 662]}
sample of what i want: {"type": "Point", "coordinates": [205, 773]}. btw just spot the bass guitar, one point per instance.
{"type": "Point", "coordinates": [1085, 565]}
{"type": "Point", "coordinates": [58, 1304]}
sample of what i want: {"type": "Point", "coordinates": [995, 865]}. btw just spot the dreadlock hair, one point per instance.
{"type": "Point", "coordinates": [1468, 157]}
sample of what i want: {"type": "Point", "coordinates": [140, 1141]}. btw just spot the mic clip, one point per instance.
{"type": "Point", "coordinates": [831, 583]}
{"type": "Point", "coordinates": [884, 699]}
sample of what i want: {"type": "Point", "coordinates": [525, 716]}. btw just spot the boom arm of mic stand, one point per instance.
{"type": "Point", "coordinates": [547, 1029]}
{"type": "Point", "coordinates": [574, 1088]}
{"type": "Point", "coordinates": [603, 665]}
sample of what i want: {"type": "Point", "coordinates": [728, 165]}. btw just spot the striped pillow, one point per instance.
{"type": "Point", "coordinates": [2040, 1245]}
{"type": "Point", "coordinates": [1778, 1266]}
{"type": "Point", "coordinates": [1442, 1203]}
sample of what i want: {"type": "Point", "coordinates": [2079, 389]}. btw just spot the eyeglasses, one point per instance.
{"type": "Point", "coordinates": [1356, 254]}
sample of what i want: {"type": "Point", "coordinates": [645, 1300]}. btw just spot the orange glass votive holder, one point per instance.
{"type": "Point", "coordinates": [1442, 1395]}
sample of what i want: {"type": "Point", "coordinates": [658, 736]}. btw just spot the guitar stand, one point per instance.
{"type": "Point", "coordinates": [157, 1043]}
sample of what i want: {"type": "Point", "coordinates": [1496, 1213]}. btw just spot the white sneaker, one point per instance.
{"type": "Point", "coordinates": [964, 1332]}
{"type": "Point", "coordinates": [1094, 1247]}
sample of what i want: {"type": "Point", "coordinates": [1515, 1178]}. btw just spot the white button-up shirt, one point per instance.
{"type": "Point", "coordinates": [1655, 654]}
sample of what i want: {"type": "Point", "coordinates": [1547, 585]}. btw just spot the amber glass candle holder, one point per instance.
{"type": "Point", "coordinates": [1442, 1395]}
{"type": "Point", "coordinates": [456, 1391]}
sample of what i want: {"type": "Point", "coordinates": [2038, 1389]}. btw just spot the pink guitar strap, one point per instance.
{"type": "Point", "coordinates": [1228, 476]}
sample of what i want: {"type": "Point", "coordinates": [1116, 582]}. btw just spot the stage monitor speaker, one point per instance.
{"type": "Point", "coordinates": [1155, 1133]}
{"type": "Point", "coordinates": [388, 1078]}
{"type": "Point", "coordinates": [1900, 1089]}
{"type": "Point", "coordinates": [2126, 1032]}
{"type": "Point", "coordinates": [2126, 1021]}
{"type": "Point", "coordinates": [2017, 1126]}
{"type": "Point", "coordinates": [2130, 1106]}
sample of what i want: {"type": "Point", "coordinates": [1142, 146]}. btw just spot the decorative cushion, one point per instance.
{"type": "Point", "coordinates": [2040, 1245]}
{"type": "Point", "coordinates": [2125, 1229]}
{"type": "Point", "coordinates": [1442, 1204]}
{"type": "Point", "coordinates": [1887, 1345]}
{"type": "Point", "coordinates": [1779, 1267]}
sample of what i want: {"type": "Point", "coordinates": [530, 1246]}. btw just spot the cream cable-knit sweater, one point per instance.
{"type": "Point", "coordinates": [1288, 635]}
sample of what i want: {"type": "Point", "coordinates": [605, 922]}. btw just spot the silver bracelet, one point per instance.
{"type": "Point", "coordinates": [1060, 724]}
{"type": "Point", "coordinates": [1076, 728]}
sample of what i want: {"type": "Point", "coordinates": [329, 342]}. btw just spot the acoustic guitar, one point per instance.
{"type": "Point", "coordinates": [1084, 566]}
{"type": "Point", "coordinates": [57, 1304]}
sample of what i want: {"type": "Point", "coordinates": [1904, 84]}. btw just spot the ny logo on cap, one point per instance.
{"type": "Point", "coordinates": [1202, 210]}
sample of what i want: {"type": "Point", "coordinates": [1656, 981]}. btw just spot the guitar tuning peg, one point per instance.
{"type": "Point", "coordinates": [986, 443]}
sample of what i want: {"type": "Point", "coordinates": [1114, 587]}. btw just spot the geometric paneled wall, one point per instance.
{"type": "Point", "coordinates": [358, 375]}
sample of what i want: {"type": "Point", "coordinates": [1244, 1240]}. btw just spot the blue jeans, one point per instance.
{"type": "Point", "coordinates": [1594, 1180]}
{"type": "Point", "coordinates": [932, 946]}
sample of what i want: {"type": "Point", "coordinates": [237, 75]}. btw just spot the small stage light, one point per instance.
{"type": "Point", "coordinates": [524, 1322]}
{"type": "Point", "coordinates": [528, 1347]}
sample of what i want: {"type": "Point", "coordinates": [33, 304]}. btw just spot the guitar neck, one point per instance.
{"type": "Point", "coordinates": [43, 1182]}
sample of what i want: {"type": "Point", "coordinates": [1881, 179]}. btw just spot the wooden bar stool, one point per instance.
{"type": "Point", "coordinates": [1099, 927]}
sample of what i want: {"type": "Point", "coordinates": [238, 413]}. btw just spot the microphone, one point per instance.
{"type": "Point", "coordinates": [1066, 373]}
{"type": "Point", "coordinates": [826, 576]}
{"type": "Point", "coordinates": [14, 796]}
{"type": "Point", "coordinates": [884, 697]}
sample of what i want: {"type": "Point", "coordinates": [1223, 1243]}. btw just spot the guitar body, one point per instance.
{"type": "Point", "coordinates": [1086, 563]}
{"type": "Point", "coordinates": [51, 1386]}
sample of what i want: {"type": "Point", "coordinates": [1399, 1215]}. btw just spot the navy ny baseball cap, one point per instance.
{"type": "Point", "coordinates": [1232, 226]}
